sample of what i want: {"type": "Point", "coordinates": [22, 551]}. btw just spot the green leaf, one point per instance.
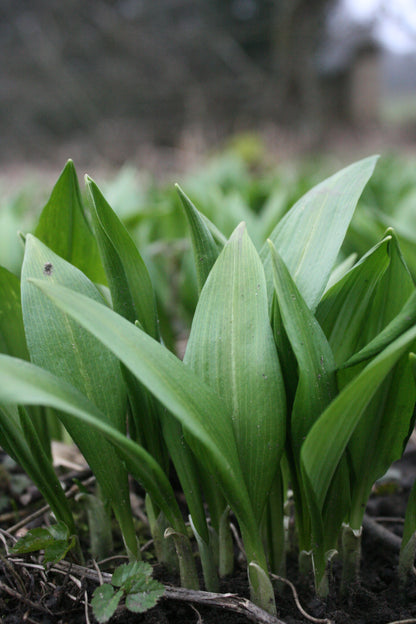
{"type": "Point", "coordinates": [310, 235]}
{"type": "Point", "coordinates": [104, 602]}
{"type": "Point", "coordinates": [58, 344]}
{"type": "Point", "coordinates": [133, 297]}
{"type": "Point", "coordinates": [315, 390]}
{"type": "Point", "coordinates": [380, 437]}
{"type": "Point", "coordinates": [202, 413]}
{"type": "Point", "coordinates": [328, 438]}
{"type": "Point", "coordinates": [127, 574]}
{"type": "Point", "coordinates": [29, 384]}
{"type": "Point", "coordinates": [12, 334]}
{"type": "Point", "coordinates": [64, 229]}
{"type": "Point", "coordinates": [55, 540]}
{"type": "Point", "coordinates": [35, 539]}
{"type": "Point", "coordinates": [146, 598]}
{"type": "Point", "coordinates": [58, 549]}
{"type": "Point", "coordinates": [231, 348]}
{"type": "Point", "coordinates": [128, 278]}
{"type": "Point", "coordinates": [196, 405]}
{"type": "Point", "coordinates": [204, 246]}
{"type": "Point", "coordinates": [344, 308]}
{"type": "Point", "coordinates": [37, 466]}
{"type": "Point", "coordinates": [397, 326]}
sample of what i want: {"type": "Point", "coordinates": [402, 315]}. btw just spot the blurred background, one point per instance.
{"type": "Point", "coordinates": [159, 82]}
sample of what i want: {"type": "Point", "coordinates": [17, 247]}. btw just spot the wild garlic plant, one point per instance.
{"type": "Point", "coordinates": [296, 375]}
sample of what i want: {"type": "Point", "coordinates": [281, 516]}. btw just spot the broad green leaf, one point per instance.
{"type": "Point", "coordinates": [204, 246]}
{"type": "Point", "coordinates": [105, 601]}
{"type": "Point", "coordinates": [400, 323]}
{"type": "Point", "coordinates": [340, 270]}
{"type": "Point", "coordinates": [128, 278]}
{"type": "Point", "coordinates": [64, 229]}
{"type": "Point", "coordinates": [315, 390]}
{"type": "Point", "coordinates": [58, 344]}
{"type": "Point", "coordinates": [310, 235]}
{"type": "Point", "coordinates": [231, 348]}
{"type": "Point", "coordinates": [13, 342]}
{"type": "Point", "coordinates": [344, 308]}
{"type": "Point", "coordinates": [12, 334]}
{"type": "Point", "coordinates": [202, 413]}
{"type": "Point", "coordinates": [326, 442]}
{"type": "Point", "coordinates": [317, 384]}
{"type": "Point", "coordinates": [133, 297]}
{"type": "Point", "coordinates": [380, 437]}
{"type": "Point", "coordinates": [26, 383]}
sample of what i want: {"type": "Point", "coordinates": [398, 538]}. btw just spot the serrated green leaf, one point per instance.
{"type": "Point", "coordinates": [125, 574]}
{"type": "Point", "coordinates": [35, 539]}
{"type": "Point", "coordinates": [104, 602]}
{"type": "Point", "coordinates": [310, 235]}
{"type": "Point", "coordinates": [58, 549]}
{"type": "Point", "coordinates": [144, 600]}
{"type": "Point", "coordinates": [231, 348]}
{"type": "Point", "coordinates": [64, 229]}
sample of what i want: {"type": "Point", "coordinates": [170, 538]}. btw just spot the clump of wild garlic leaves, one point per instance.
{"type": "Point", "coordinates": [298, 374]}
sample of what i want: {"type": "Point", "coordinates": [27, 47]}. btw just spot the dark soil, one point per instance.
{"type": "Point", "coordinates": [27, 594]}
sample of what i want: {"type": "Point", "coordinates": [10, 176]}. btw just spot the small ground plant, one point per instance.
{"type": "Point", "coordinates": [298, 376]}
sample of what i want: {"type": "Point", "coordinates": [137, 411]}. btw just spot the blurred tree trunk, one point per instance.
{"type": "Point", "coordinates": [297, 30]}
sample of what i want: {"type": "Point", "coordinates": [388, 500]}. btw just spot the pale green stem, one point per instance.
{"type": "Point", "coordinates": [226, 546]}
{"type": "Point", "coordinates": [206, 553]}
{"type": "Point", "coordinates": [351, 556]}
{"type": "Point", "coordinates": [187, 567]}
{"type": "Point", "coordinates": [164, 551]}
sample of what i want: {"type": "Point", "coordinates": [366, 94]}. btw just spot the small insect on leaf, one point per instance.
{"type": "Point", "coordinates": [48, 268]}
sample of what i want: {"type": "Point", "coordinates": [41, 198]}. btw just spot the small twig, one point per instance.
{"type": "Point", "coordinates": [100, 576]}
{"type": "Point", "coordinates": [389, 539]}
{"type": "Point", "coordinates": [87, 617]}
{"type": "Point", "coordinates": [200, 620]}
{"type": "Point", "coordinates": [389, 519]}
{"type": "Point", "coordinates": [113, 558]}
{"type": "Point", "coordinates": [146, 545]}
{"type": "Point", "coordinates": [411, 621]}
{"type": "Point", "coordinates": [297, 602]}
